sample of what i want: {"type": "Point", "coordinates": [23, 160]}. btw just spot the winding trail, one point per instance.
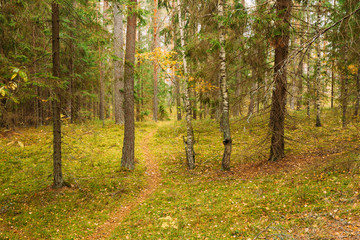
{"type": "Point", "coordinates": [153, 181]}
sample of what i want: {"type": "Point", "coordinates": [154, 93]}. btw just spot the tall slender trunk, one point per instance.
{"type": "Point", "coordinates": [71, 72]}
{"type": "Point", "coordinates": [333, 76]}
{"type": "Point", "coordinates": [101, 73]}
{"type": "Point", "coordinates": [344, 98]}
{"type": "Point", "coordinates": [178, 98]}
{"type": "Point", "coordinates": [357, 102]}
{"type": "Point", "coordinates": [300, 70]}
{"type": "Point", "coordinates": [318, 73]}
{"type": "Point", "coordinates": [332, 86]}
{"type": "Point", "coordinates": [300, 84]}
{"type": "Point", "coordinates": [37, 102]}
{"type": "Point", "coordinates": [252, 99]}
{"type": "Point", "coordinates": [138, 91]}
{"type": "Point", "coordinates": [227, 141]}
{"type": "Point", "coordinates": [308, 85]}
{"type": "Point", "coordinates": [176, 77]}
{"type": "Point", "coordinates": [278, 105]}
{"type": "Point", "coordinates": [56, 102]}
{"type": "Point", "coordinates": [190, 154]}
{"type": "Point", "coordinates": [237, 106]}
{"type": "Point", "coordinates": [118, 65]}
{"type": "Point", "coordinates": [156, 67]}
{"type": "Point", "coordinates": [128, 152]}
{"type": "Point", "coordinates": [194, 102]}
{"type": "Point", "coordinates": [238, 76]}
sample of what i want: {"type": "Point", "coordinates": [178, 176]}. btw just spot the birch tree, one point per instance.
{"type": "Point", "coordinates": [318, 71]}
{"type": "Point", "coordinates": [227, 141]}
{"type": "Point", "coordinates": [189, 148]}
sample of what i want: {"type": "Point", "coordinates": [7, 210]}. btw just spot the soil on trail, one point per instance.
{"type": "Point", "coordinates": [153, 180]}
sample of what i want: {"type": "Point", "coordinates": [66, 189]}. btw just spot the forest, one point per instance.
{"type": "Point", "coordinates": [180, 119]}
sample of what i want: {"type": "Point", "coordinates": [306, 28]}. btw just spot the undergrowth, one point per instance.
{"type": "Point", "coordinates": [313, 193]}
{"type": "Point", "coordinates": [91, 164]}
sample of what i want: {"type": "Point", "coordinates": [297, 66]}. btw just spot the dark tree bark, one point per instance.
{"type": "Point", "coordinates": [101, 78]}
{"type": "Point", "coordinates": [318, 72]}
{"type": "Point", "coordinates": [277, 113]}
{"type": "Point", "coordinates": [357, 102]}
{"type": "Point", "coordinates": [118, 65]}
{"type": "Point", "coordinates": [56, 103]}
{"type": "Point", "coordinates": [300, 82]}
{"type": "Point", "coordinates": [344, 99]}
{"type": "Point", "coordinates": [71, 98]}
{"type": "Point", "coordinates": [308, 86]}
{"type": "Point", "coordinates": [252, 99]}
{"type": "Point", "coordinates": [193, 101]}
{"type": "Point", "coordinates": [332, 86]}
{"type": "Point", "coordinates": [237, 106]}
{"type": "Point", "coordinates": [128, 152]}
{"type": "Point", "coordinates": [139, 80]}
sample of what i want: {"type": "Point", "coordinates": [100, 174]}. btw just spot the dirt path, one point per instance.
{"type": "Point", "coordinates": [153, 180]}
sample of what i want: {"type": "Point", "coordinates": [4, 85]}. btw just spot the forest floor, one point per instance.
{"type": "Point", "coordinates": [313, 193]}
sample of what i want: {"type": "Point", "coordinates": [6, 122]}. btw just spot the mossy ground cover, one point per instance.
{"type": "Point", "coordinates": [91, 164]}
{"type": "Point", "coordinates": [311, 194]}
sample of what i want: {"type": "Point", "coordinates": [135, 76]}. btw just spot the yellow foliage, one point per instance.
{"type": "Point", "coordinates": [202, 85]}
{"type": "Point", "coordinates": [167, 60]}
{"type": "Point", "coordinates": [353, 69]}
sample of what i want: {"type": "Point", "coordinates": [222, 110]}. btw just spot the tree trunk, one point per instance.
{"type": "Point", "coordinates": [194, 102]}
{"type": "Point", "coordinates": [138, 90]}
{"type": "Point", "coordinates": [71, 91]}
{"type": "Point", "coordinates": [300, 84]}
{"type": "Point", "coordinates": [308, 86]}
{"type": "Point", "coordinates": [190, 154]}
{"type": "Point", "coordinates": [101, 74]}
{"type": "Point", "coordinates": [332, 86]}
{"type": "Point", "coordinates": [278, 105]}
{"type": "Point", "coordinates": [227, 141]}
{"type": "Point", "coordinates": [318, 73]}
{"type": "Point", "coordinates": [56, 103]}
{"type": "Point", "coordinates": [128, 153]}
{"type": "Point", "coordinates": [156, 67]}
{"type": "Point", "coordinates": [252, 99]}
{"type": "Point", "coordinates": [237, 107]}
{"type": "Point", "coordinates": [357, 102]}
{"type": "Point", "coordinates": [37, 102]}
{"type": "Point", "coordinates": [344, 98]}
{"type": "Point", "coordinates": [178, 98]}
{"type": "Point", "coordinates": [118, 65]}
{"type": "Point", "coordinates": [176, 77]}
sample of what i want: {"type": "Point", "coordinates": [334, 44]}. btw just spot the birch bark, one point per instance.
{"type": "Point", "coordinates": [190, 154]}
{"type": "Point", "coordinates": [227, 141]}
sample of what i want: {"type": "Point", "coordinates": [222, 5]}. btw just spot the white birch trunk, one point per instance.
{"type": "Point", "coordinates": [224, 92]}
{"type": "Point", "coordinates": [190, 155]}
